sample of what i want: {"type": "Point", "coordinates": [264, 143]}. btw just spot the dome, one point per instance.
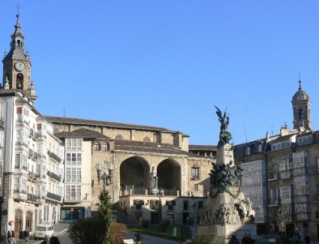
{"type": "Point", "coordinates": [300, 94]}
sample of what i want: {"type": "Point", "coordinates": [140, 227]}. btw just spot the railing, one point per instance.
{"type": "Point", "coordinates": [286, 174]}
{"type": "Point", "coordinates": [32, 197]}
{"type": "Point", "coordinates": [32, 176]}
{"type": "Point", "coordinates": [72, 199]}
{"type": "Point", "coordinates": [195, 177]}
{"type": "Point", "coordinates": [272, 175]}
{"type": "Point", "coordinates": [54, 176]}
{"type": "Point", "coordinates": [54, 196]}
{"type": "Point", "coordinates": [54, 156]}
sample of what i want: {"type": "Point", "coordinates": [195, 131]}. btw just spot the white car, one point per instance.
{"type": "Point", "coordinates": [41, 231]}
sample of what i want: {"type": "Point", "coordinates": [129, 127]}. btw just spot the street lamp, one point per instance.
{"type": "Point", "coordinates": [98, 167]}
{"type": "Point", "coordinates": [105, 177]}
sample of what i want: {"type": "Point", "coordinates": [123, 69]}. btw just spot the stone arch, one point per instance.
{"type": "Point", "coordinates": [20, 79]}
{"type": "Point", "coordinates": [134, 173]}
{"type": "Point", "coordinates": [169, 174]}
{"type": "Point", "coordinates": [18, 221]}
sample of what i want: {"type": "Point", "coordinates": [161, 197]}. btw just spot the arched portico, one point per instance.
{"type": "Point", "coordinates": [169, 175]}
{"type": "Point", "coordinates": [134, 172]}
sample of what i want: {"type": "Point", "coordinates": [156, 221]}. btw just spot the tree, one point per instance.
{"type": "Point", "coordinates": [105, 208]}
{"type": "Point", "coordinates": [94, 230]}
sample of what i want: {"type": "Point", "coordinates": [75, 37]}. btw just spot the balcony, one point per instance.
{"type": "Point", "coordinates": [303, 216]}
{"type": "Point", "coordinates": [72, 199]}
{"type": "Point", "coordinates": [32, 198]}
{"type": "Point", "coordinates": [54, 196]}
{"type": "Point", "coordinates": [54, 176]}
{"type": "Point", "coordinates": [273, 202]}
{"type": "Point", "coordinates": [286, 174]}
{"type": "Point", "coordinates": [54, 156]}
{"type": "Point", "coordinates": [195, 177]}
{"type": "Point", "coordinates": [32, 176]}
{"type": "Point", "coordinates": [273, 176]}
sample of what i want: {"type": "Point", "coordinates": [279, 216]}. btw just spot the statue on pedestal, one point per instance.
{"type": "Point", "coordinates": [153, 182]}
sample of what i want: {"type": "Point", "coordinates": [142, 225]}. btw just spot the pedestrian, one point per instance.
{"type": "Point", "coordinates": [250, 240]}
{"type": "Point", "coordinates": [26, 235]}
{"type": "Point", "coordinates": [233, 240]}
{"type": "Point", "coordinates": [244, 240]}
{"type": "Point", "coordinates": [284, 238]}
{"type": "Point", "coordinates": [9, 237]}
{"type": "Point", "coordinates": [13, 237]}
{"type": "Point", "coordinates": [307, 239]}
{"type": "Point", "coordinates": [54, 240]}
{"type": "Point", "coordinates": [138, 238]}
{"type": "Point", "coordinates": [297, 237]}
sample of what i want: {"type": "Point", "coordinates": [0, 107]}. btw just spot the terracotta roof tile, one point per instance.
{"type": "Point", "coordinates": [82, 133]}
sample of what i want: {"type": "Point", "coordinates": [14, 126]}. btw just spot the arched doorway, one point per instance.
{"type": "Point", "coordinates": [169, 176]}
{"type": "Point", "coordinates": [134, 174]}
{"type": "Point", "coordinates": [18, 220]}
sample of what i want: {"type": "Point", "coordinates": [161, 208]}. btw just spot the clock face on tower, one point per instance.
{"type": "Point", "coordinates": [19, 66]}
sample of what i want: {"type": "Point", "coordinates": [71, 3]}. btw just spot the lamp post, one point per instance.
{"type": "Point", "coordinates": [98, 167]}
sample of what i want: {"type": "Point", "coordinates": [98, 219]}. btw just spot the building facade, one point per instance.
{"type": "Point", "coordinates": [286, 194]}
{"type": "Point", "coordinates": [32, 157]}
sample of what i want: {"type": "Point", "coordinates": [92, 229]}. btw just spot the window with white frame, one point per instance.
{"type": "Point", "coordinates": [73, 158]}
{"type": "Point", "coordinates": [72, 192]}
{"type": "Point", "coordinates": [74, 144]}
{"type": "Point", "coordinates": [16, 183]}
{"type": "Point", "coordinates": [73, 175]}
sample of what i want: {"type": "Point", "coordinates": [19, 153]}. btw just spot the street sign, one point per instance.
{"type": "Point", "coordinates": [72, 209]}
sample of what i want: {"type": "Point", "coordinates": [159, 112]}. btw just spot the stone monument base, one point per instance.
{"type": "Point", "coordinates": [217, 234]}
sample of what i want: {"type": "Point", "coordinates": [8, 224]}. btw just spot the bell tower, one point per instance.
{"type": "Point", "coordinates": [17, 65]}
{"type": "Point", "coordinates": [301, 110]}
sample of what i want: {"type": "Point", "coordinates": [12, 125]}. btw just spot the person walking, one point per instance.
{"type": "Point", "coordinates": [244, 240]}
{"type": "Point", "coordinates": [138, 238]}
{"type": "Point", "coordinates": [307, 239]}
{"type": "Point", "coordinates": [13, 237]}
{"type": "Point", "coordinates": [54, 240]}
{"type": "Point", "coordinates": [233, 240]}
{"type": "Point", "coordinates": [9, 237]}
{"type": "Point", "coordinates": [26, 235]}
{"type": "Point", "coordinates": [284, 238]}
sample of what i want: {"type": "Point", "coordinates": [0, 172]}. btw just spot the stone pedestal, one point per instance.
{"type": "Point", "coordinates": [227, 211]}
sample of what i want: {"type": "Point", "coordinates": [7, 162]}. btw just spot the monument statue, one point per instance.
{"type": "Point", "coordinates": [224, 134]}
{"type": "Point", "coordinates": [228, 211]}
{"type": "Point", "coordinates": [153, 182]}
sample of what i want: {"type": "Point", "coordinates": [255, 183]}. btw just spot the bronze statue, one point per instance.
{"type": "Point", "coordinates": [224, 134]}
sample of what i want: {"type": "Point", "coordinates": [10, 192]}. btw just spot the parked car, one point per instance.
{"type": "Point", "coordinates": [41, 231]}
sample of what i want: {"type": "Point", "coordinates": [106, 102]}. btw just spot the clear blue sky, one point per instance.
{"type": "Point", "coordinates": [167, 63]}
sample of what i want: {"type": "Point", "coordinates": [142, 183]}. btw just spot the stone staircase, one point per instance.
{"type": "Point", "coordinates": [122, 218]}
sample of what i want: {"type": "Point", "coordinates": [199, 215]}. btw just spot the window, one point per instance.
{"type": "Point", "coordinates": [105, 147]}
{"type": "Point", "coordinates": [196, 172]}
{"type": "Point", "coordinates": [195, 187]}
{"type": "Point", "coordinates": [74, 144]}
{"type": "Point", "coordinates": [73, 175]}
{"type": "Point", "coordinates": [185, 205]}
{"type": "Point", "coordinates": [97, 146]}
{"type": "Point", "coordinates": [17, 161]}
{"type": "Point", "coordinates": [200, 204]}
{"type": "Point", "coordinates": [73, 158]}
{"type": "Point", "coordinates": [247, 150]}
{"type": "Point", "coordinates": [73, 193]}
{"type": "Point", "coordinates": [16, 185]}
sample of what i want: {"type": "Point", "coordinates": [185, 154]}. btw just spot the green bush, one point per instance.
{"type": "Point", "coordinates": [116, 233]}
{"type": "Point", "coordinates": [165, 224]}
{"type": "Point", "coordinates": [145, 223]}
{"type": "Point", "coordinates": [88, 230]}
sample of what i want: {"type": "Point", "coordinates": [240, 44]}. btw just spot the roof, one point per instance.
{"type": "Point", "coordinates": [81, 133]}
{"type": "Point", "coordinates": [203, 147]}
{"type": "Point", "coordinates": [151, 147]}
{"type": "Point", "coordinates": [75, 121]}
{"type": "Point", "coordinates": [283, 138]}
{"type": "Point", "coordinates": [300, 94]}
